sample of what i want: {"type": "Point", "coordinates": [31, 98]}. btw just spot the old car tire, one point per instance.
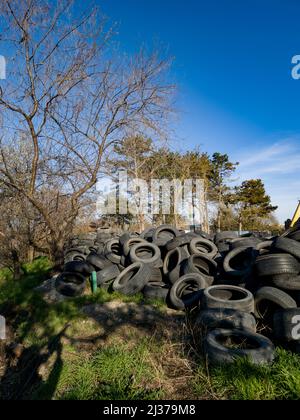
{"type": "Point", "coordinates": [203, 246]}
{"type": "Point", "coordinates": [130, 243]}
{"type": "Point", "coordinates": [70, 284]}
{"type": "Point", "coordinates": [269, 299]}
{"type": "Point", "coordinates": [156, 292]}
{"type": "Point", "coordinates": [81, 267]}
{"type": "Point", "coordinates": [107, 275]}
{"type": "Point", "coordinates": [239, 298]}
{"type": "Point", "coordinates": [133, 279]}
{"type": "Point", "coordinates": [245, 265]}
{"type": "Point", "coordinates": [147, 253]}
{"type": "Point", "coordinates": [287, 245]}
{"type": "Point", "coordinates": [209, 319]}
{"type": "Point", "coordinates": [201, 264]}
{"type": "Point", "coordinates": [172, 264]}
{"type": "Point", "coordinates": [260, 349]}
{"type": "Point", "coordinates": [164, 234]}
{"type": "Point", "coordinates": [112, 251]}
{"type": "Point", "coordinates": [273, 264]}
{"type": "Point", "coordinates": [186, 291]}
{"type": "Point", "coordinates": [99, 262]}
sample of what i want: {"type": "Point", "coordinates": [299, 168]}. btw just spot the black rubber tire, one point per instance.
{"type": "Point", "coordinates": [147, 234]}
{"type": "Point", "coordinates": [126, 236]}
{"type": "Point", "coordinates": [225, 236]}
{"type": "Point", "coordinates": [130, 242]}
{"type": "Point", "coordinates": [164, 234]}
{"type": "Point", "coordinates": [138, 253]}
{"type": "Point", "coordinates": [263, 247]}
{"type": "Point", "coordinates": [295, 235]}
{"type": "Point", "coordinates": [99, 247]}
{"type": "Point", "coordinates": [79, 249]}
{"type": "Point", "coordinates": [290, 246]}
{"type": "Point", "coordinates": [107, 275]}
{"type": "Point", "coordinates": [103, 237]}
{"type": "Point", "coordinates": [261, 351]}
{"type": "Point", "coordinates": [156, 276]}
{"type": "Point", "coordinates": [70, 284]}
{"type": "Point", "coordinates": [133, 279]}
{"type": "Point", "coordinates": [201, 264]}
{"type": "Point", "coordinates": [202, 246]}
{"type": "Point", "coordinates": [244, 243]}
{"type": "Point", "coordinates": [272, 264]}
{"type": "Point", "coordinates": [74, 256]}
{"type": "Point", "coordinates": [99, 262]}
{"type": "Point", "coordinates": [159, 292]}
{"type": "Point", "coordinates": [123, 261]}
{"type": "Point", "coordinates": [239, 298]}
{"type": "Point", "coordinates": [286, 282]}
{"type": "Point", "coordinates": [120, 267]}
{"type": "Point", "coordinates": [223, 247]}
{"type": "Point", "coordinates": [81, 267]}
{"type": "Point", "coordinates": [172, 265]}
{"type": "Point", "coordinates": [275, 299]}
{"type": "Point", "coordinates": [285, 324]}
{"type": "Point", "coordinates": [187, 290]}
{"type": "Point", "coordinates": [184, 252]}
{"type": "Point", "coordinates": [201, 233]}
{"type": "Point", "coordinates": [113, 251]}
{"type": "Point", "coordinates": [211, 319]}
{"type": "Point", "coordinates": [246, 262]}
{"type": "Point", "coordinates": [180, 241]}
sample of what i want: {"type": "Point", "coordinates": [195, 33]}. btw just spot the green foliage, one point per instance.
{"type": "Point", "coordinates": [221, 170]}
{"type": "Point", "coordinates": [19, 292]}
{"type": "Point", "coordinates": [244, 381]}
{"type": "Point", "coordinates": [252, 203]}
{"type": "Point", "coordinates": [252, 193]}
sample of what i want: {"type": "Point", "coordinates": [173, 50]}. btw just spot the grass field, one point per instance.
{"type": "Point", "coordinates": [106, 346]}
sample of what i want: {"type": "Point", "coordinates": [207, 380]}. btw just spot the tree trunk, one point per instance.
{"type": "Point", "coordinates": [219, 213]}
{"type": "Point", "coordinates": [141, 222]}
{"type": "Point", "coordinates": [30, 254]}
{"type": "Point", "coordinates": [176, 220]}
{"type": "Point", "coordinates": [17, 266]}
{"type": "Point", "coordinates": [219, 221]}
{"type": "Point", "coordinates": [240, 227]}
{"type": "Point", "coordinates": [57, 254]}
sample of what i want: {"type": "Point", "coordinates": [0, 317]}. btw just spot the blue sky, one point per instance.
{"type": "Point", "coordinates": [233, 70]}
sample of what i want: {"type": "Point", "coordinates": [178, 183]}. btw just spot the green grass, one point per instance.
{"type": "Point", "coordinates": [113, 373]}
{"type": "Point", "coordinates": [244, 381]}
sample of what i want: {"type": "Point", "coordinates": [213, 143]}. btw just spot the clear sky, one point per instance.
{"type": "Point", "coordinates": [233, 69]}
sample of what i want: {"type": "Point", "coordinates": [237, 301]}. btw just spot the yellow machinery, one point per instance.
{"type": "Point", "coordinates": [296, 216]}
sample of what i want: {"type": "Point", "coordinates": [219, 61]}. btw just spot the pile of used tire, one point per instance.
{"type": "Point", "coordinates": [231, 286]}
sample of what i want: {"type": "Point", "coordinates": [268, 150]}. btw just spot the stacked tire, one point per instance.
{"type": "Point", "coordinates": [230, 286]}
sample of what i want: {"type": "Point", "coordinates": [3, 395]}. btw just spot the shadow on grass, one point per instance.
{"type": "Point", "coordinates": [20, 378]}
{"type": "Point", "coordinates": [43, 329]}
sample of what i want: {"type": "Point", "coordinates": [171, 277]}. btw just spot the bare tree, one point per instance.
{"type": "Point", "coordinates": [70, 99]}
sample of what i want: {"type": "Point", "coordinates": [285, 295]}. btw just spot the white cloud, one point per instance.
{"type": "Point", "coordinates": [268, 154]}
{"type": "Point", "coordinates": [278, 165]}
